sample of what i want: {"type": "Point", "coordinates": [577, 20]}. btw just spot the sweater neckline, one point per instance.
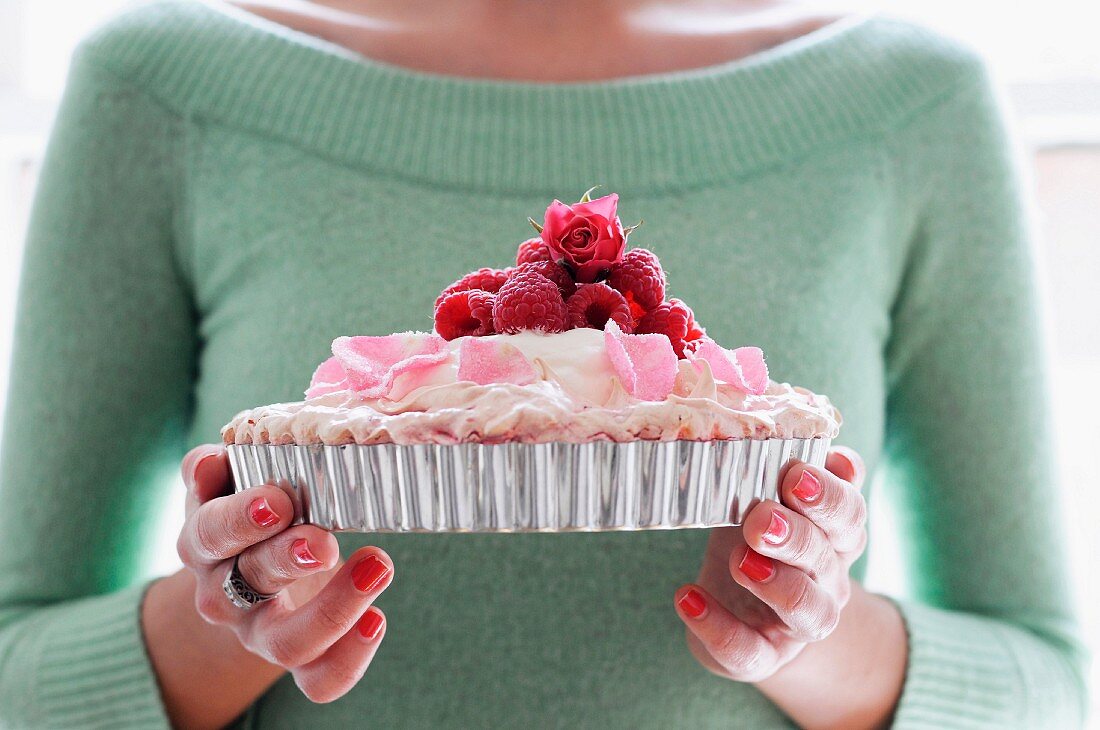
{"type": "Point", "coordinates": [416, 76]}
{"type": "Point", "coordinates": [650, 133]}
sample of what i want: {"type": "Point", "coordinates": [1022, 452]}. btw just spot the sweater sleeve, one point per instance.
{"type": "Point", "coordinates": [993, 641]}
{"type": "Point", "coordinates": [101, 376]}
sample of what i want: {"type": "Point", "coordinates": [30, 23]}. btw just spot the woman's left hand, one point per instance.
{"type": "Point", "coordinates": [780, 581]}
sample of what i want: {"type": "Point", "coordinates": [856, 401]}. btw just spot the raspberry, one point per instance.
{"type": "Point", "coordinates": [638, 276]}
{"type": "Point", "coordinates": [695, 331]}
{"type": "Point", "coordinates": [468, 312]}
{"type": "Point", "coordinates": [594, 304]}
{"type": "Point", "coordinates": [636, 310]}
{"type": "Point", "coordinates": [533, 249]}
{"type": "Point", "coordinates": [673, 319]}
{"type": "Point", "coordinates": [554, 272]}
{"type": "Point", "coordinates": [529, 301]}
{"type": "Point", "coordinates": [489, 280]}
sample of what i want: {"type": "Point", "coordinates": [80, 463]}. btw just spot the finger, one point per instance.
{"type": "Point", "coordinates": [187, 464]}
{"type": "Point", "coordinates": [780, 533]}
{"type": "Point", "coordinates": [330, 676]}
{"type": "Point", "coordinates": [293, 638]}
{"type": "Point", "coordinates": [226, 526]}
{"type": "Point", "coordinates": [829, 502]}
{"type": "Point", "coordinates": [695, 646]}
{"type": "Point", "coordinates": [847, 464]}
{"type": "Point", "coordinates": [298, 551]}
{"type": "Point", "coordinates": [204, 454]}
{"type": "Point", "coordinates": [211, 602]}
{"type": "Point", "coordinates": [205, 471]}
{"type": "Point", "coordinates": [808, 611]}
{"type": "Point", "coordinates": [743, 652]}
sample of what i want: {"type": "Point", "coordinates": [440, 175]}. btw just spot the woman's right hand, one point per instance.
{"type": "Point", "coordinates": [321, 625]}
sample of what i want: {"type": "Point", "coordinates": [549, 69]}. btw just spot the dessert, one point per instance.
{"type": "Point", "coordinates": [530, 388]}
{"type": "Point", "coordinates": [565, 392]}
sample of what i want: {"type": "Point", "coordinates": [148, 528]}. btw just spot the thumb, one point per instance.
{"type": "Point", "coordinates": [205, 471]}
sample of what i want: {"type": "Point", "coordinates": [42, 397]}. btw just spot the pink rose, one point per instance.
{"type": "Point", "coordinates": [588, 238]}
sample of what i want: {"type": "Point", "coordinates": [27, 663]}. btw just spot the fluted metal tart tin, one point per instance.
{"type": "Point", "coordinates": [517, 487]}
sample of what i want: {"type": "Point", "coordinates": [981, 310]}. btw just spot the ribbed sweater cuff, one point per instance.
{"type": "Point", "coordinates": [958, 674]}
{"type": "Point", "coordinates": [92, 668]}
{"type": "Point", "coordinates": [967, 671]}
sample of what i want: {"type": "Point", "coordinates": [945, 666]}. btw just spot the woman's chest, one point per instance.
{"type": "Point", "coordinates": [287, 251]}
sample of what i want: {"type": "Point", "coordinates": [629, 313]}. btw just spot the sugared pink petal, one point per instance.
{"type": "Point", "coordinates": [753, 368]}
{"type": "Point", "coordinates": [743, 368]}
{"type": "Point", "coordinates": [373, 363]}
{"type": "Point", "coordinates": [485, 361]}
{"type": "Point", "coordinates": [329, 377]}
{"type": "Point", "coordinates": [645, 364]}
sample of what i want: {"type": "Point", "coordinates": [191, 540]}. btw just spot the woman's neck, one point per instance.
{"type": "Point", "coordinates": [560, 41]}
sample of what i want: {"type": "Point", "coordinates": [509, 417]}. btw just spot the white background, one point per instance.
{"type": "Point", "coordinates": [1048, 55]}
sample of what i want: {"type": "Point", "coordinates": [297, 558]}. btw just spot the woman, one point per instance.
{"type": "Point", "coordinates": [228, 188]}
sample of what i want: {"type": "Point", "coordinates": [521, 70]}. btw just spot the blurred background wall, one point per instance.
{"type": "Point", "coordinates": [1046, 53]}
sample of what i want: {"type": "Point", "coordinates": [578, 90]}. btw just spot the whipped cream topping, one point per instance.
{"type": "Point", "coordinates": [576, 397]}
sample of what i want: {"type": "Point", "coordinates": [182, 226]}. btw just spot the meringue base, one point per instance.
{"type": "Point", "coordinates": [523, 487]}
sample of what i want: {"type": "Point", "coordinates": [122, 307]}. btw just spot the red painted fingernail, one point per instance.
{"type": "Point", "coordinates": [855, 464]}
{"type": "Point", "coordinates": [198, 465]}
{"type": "Point", "coordinates": [778, 529]}
{"type": "Point", "coordinates": [692, 603]}
{"type": "Point", "coordinates": [302, 556]}
{"type": "Point", "coordinates": [370, 625]}
{"type": "Point", "coordinates": [261, 513]}
{"type": "Point", "coordinates": [808, 488]}
{"type": "Point", "coordinates": [369, 573]}
{"type": "Point", "coordinates": [756, 566]}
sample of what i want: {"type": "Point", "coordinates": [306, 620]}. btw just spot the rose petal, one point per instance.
{"type": "Point", "coordinates": [484, 361]}
{"type": "Point", "coordinates": [604, 207]}
{"type": "Point", "coordinates": [753, 367]}
{"type": "Point", "coordinates": [325, 388]}
{"type": "Point", "coordinates": [558, 215]}
{"type": "Point", "coordinates": [587, 237]}
{"type": "Point", "coordinates": [743, 368]}
{"type": "Point", "coordinates": [645, 364]}
{"type": "Point", "coordinates": [590, 270]}
{"type": "Point", "coordinates": [329, 377]}
{"type": "Point", "coordinates": [373, 363]}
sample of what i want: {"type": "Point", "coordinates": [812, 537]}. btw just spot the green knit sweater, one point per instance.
{"type": "Point", "coordinates": [221, 197]}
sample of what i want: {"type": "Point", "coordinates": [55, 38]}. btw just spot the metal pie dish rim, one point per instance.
{"type": "Point", "coordinates": [599, 485]}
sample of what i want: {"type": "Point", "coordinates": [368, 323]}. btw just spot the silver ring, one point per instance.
{"type": "Point", "coordinates": [239, 592]}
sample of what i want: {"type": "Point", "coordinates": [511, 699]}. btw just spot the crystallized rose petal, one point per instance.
{"type": "Point", "coordinates": [373, 363]}
{"type": "Point", "coordinates": [329, 377]}
{"type": "Point", "coordinates": [646, 364]}
{"type": "Point", "coordinates": [753, 367]}
{"type": "Point", "coordinates": [325, 388]}
{"type": "Point", "coordinates": [486, 361]}
{"type": "Point", "coordinates": [743, 368]}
